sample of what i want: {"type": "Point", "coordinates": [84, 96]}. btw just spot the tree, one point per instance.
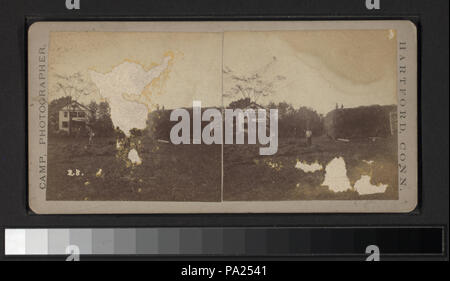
{"type": "Point", "coordinates": [294, 122]}
{"type": "Point", "coordinates": [93, 110]}
{"type": "Point", "coordinates": [252, 86]}
{"type": "Point", "coordinates": [103, 123]}
{"type": "Point", "coordinates": [74, 86]}
{"type": "Point", "coordinates": [284, 108]}
{"type": "Point", "coordinates": [240, 103]}
{"type": "Point", "coordinates": [158, 124]}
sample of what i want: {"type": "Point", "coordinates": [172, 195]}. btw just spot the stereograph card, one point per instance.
{"type": "Point", "coordinates": [222, 117]}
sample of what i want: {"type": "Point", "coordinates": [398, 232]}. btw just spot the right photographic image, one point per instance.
{"type": "Point", "coordinates": [335, 92]}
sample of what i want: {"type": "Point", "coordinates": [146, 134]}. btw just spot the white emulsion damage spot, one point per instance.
{"type": "Point", "coordinates": [336, 176]}
{"type": "Point", "coordinates": [308, 168]}
{"type": "Point", "coordinates": [364, 187]}
{"type": "Point", "coordinates": [127, 79]}
{"type": "Point", "coordinates": [134, 157]}
{"type": "Point", "coordinates": [118, 145]}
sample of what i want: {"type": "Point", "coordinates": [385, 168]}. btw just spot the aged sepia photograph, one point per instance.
{"type": "Point", "coordinates": [337, 114]}
{"type": "Point", "coordinates": [222, 117]}
{"type": "Point", "coordinates": [205, 131]}
{"type": "Point", "coordinates": [110, 98]}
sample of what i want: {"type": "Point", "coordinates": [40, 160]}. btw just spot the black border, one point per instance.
{"type": "Point", "coordinates": [430, 17]}
{"type": "Point", "coordinates": [414, 19]}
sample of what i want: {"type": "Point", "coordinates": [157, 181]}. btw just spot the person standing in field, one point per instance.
{"type": "Point", "coordinates": [308, 135]}
{"type": "Point", "coordinates": [91, 134]}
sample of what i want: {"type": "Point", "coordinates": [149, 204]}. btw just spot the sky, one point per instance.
{"type": "Point", "coordinates": [321, 68]}
{"type": "Point", "coordinates": [195, 72]}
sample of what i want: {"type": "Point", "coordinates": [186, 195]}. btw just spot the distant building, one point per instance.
{"type": "Point", "coordinates": [255, 107]}
{"type": "Point", "coordinates": [73, 117]}
{"type": "Point", "coordinates": [360, 122]}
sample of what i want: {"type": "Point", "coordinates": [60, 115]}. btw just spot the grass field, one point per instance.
{"type": "Point", "coordinates": [167, 173]}
{"type": "Point", "coordinates": [193, 172]}
{"type": "Point", "coordinates": [248, 176]}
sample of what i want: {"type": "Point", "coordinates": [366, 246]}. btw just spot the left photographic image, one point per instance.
{"type": "Point", "coordinates": [110, 96]}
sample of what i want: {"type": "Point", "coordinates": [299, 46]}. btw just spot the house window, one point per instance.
{"type": "Point", "coordinates": [73, 114]}
{"type": "Point", "coordinates": [65, 124]}
{"type": "Point", "coordinates": [81, 114]}
{"type": "Point", "coordinates": [65, 114]}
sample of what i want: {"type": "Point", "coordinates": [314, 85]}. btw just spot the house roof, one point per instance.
{"type": "Point", "coordinates": [254, 105]}
{"type": "Point", "coordinates": [74, 104]}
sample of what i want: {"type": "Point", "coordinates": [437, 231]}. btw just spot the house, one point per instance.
{"type": "Point", "coordinates": [245, 104]}
{"type": "Point", "coordinates": [73, 117]}
{"type": "Point", "coordinates": [255, 107]}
